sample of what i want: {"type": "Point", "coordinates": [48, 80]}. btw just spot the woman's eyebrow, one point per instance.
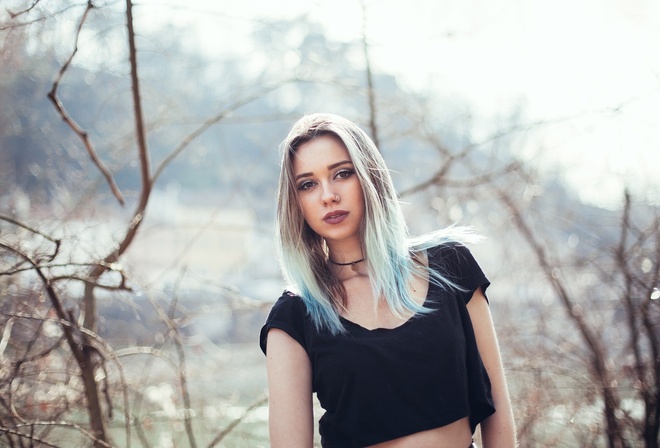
{"type": "Point", "coordinates": [335, 165]}
{"type": "Point", "coordinates": [330, 167]}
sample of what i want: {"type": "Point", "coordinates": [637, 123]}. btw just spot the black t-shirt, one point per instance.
{"type": "Point", "coordinates": [382, 384]}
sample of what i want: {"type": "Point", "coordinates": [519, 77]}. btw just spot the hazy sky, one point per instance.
{"type": "Point", "coordinates": [589, 67]}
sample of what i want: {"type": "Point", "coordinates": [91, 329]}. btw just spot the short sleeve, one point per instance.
{"type": "Point", "coordinates": [456, 262]}
{"type": "Point", "coordinates": [288, 314]}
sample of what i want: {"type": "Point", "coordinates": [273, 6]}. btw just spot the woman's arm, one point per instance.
{"type": "Point", "coordinates": [498, 430]}
{"type": "Point", "coordinates": [291, 418]}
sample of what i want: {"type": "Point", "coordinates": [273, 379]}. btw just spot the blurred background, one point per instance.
{"type": "Point", "coordinates": [138, 168]}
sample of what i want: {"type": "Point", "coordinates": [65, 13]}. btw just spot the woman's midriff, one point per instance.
{"type": "Point", "coordinates": [456, 434]}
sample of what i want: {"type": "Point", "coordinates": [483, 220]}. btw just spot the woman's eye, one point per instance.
{"type": "Point", "coordinates": [343, 174]}
{"type": "Point", "coordinates": [302, 186]}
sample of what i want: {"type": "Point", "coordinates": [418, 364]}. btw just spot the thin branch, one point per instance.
{"type": "Point", "coordinates": [75, 127]}
{"type": "Point", "coordinates": [652, 417]}
{"type": "Point", "coordinates": [74, 343]}
{"type": "Point", "coordinates": [55, 241]}
{"type": "Point", "coordinates": [80, 350]}
{"type": "Point", "coordinates": [67, 324]}
{"type": "Point", "coordinates": [43, 353]}
{"type": "Point", "coordinates": [13, 221]}
{"type": "Point", "coordinates": [106, 266]}
{"type": "Point", "coordinates": [371, 92]}
{"type": "Point", "coordinates": [193, 239]}
{"type": "Point", "coordinates": [137, 402]}
{"type": "Point", "coordinates": [61, 424]}
{"type": "Point", "coordinates": [143, 152]}
{"type": "Point", "coordinates": [88, 281]}
{"type": "Point", "coordinates": [132, 351]}
{"type": "Point", "coordinates": [621, 256]}
{"type": "Point", "coordinates": [222, 434]}
{"type": "Point", "coordinates": [122, 377]}
{"type": "Point", "coordinates": [515, 129]}
{"type": "Point", "coordinates": [38, 19]}
{"type": "Point", "coordinates": [438, 178]}
{"type": "Point", "coordinates": [13, 15]}
{"type": "Point", "coordinates": [89, 318]}
{"type": "Point", "coordinates": [178, 343]}
{"type": "Point", "coordinates": [29, 437]}
{"type": "Point", "coordinates": [210, 122]}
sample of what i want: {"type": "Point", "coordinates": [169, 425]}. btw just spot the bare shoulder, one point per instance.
{"type": "Point", "coordinates": [280, 344]}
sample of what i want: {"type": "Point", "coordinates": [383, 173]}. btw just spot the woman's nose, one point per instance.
{"type": "Point", "coordinates": [329, 196]}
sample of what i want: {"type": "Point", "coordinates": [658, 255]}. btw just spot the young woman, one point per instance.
{"type": "Point", "coordinates": [394, 335]}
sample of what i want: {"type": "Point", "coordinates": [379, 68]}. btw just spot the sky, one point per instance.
{"type": "Point", "coordinates": [587, 70]}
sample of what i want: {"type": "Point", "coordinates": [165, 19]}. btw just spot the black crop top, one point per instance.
{"type": "Point", "coordinates": [382, 384]}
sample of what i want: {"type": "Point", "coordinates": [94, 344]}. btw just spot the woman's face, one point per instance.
{"type": "Point", "coordinates": [328, 189]}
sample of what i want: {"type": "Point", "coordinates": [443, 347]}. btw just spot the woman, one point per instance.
{"type": "Point", "coordinates": [393, 335]}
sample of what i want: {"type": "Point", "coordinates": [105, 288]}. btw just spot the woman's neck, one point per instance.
{"type": "Point", "coordinates": [347, 260]}
{"type": "Point", "coordinates": [346, 253]}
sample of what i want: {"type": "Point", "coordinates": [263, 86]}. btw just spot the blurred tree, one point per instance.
{"type": "Point", "coordinates": [63, 302]}
{"type": "Point", "coordinates": [610, 293]}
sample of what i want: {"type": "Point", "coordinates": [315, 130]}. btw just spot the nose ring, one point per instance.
{"type": "Point", "coordinates": [336, 198]}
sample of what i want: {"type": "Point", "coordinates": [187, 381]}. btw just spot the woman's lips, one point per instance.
{"type": "Point", "coordinates": [335, 217]}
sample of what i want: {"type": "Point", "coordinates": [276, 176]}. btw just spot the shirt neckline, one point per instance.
{"type": "Point", "coordinates": [403, 324]}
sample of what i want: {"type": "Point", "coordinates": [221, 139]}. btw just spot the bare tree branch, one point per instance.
{"type": "Point", "coordinates": [81, 133]}
{"type": "Point", "coordinates": [631, 309]}
{"type": "Point", "coordinates": [36, 20]}
{"type": "Point", "coordinates": [79, 349]}
{"type": "Point", "coordinates": [147, 182]}
{"type": "Point", "coordinates": [183, 382]}
{"type": "Point", "coordinates": [132, 351]}
{"type": "Point", "coordinates": [122, 286]}
{"type": "Point", "coordinates": [596, 350]}
{"type": "Point", "coordinates": [222, 434]}
{"type": "Point", "coordinates": [69, 323]}
{"type": "Point", "coordinates": [29, 437]}
{"type": "Point", "coordinates": [212, 121]}
{"type": "Point", "coordinates": [109, 267]}
{"type": "Point", "coordinates": [371, 93]}
{"type": "Point", "coordinates": [13, 15]}
{"type": "Point", "coordinates": [17, 223]}
{"type": "Point", "coordinates": [652, 387]}
{"type": "Point", "coordinates": [63, 424]}
{"type": "Point", "coordinates": [140, 132]}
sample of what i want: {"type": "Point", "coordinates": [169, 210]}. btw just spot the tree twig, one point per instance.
{"type": "Point", "coordinates": [183, 383]}
{"type": "Point", "coordinates": [61, 424]}
{"type": "Point", "coordinates": [75, 127]}
{"type": "Point", "coordinates": [89, 319]}
{"type": "Point", "coordinates": [210, 122]}
{"type": "Point", "coordinates": [222, 434]}
{"type": "Point", "coordinates": [371, 92]}
{"type": "Point", "coordinates": [13, 15]}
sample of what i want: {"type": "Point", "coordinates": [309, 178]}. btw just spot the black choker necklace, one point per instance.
{"type": "Point", "coordinates": [351, 263]}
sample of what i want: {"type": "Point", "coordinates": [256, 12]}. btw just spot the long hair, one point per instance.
{"type": "Point", "coordinates": [389, 251]}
